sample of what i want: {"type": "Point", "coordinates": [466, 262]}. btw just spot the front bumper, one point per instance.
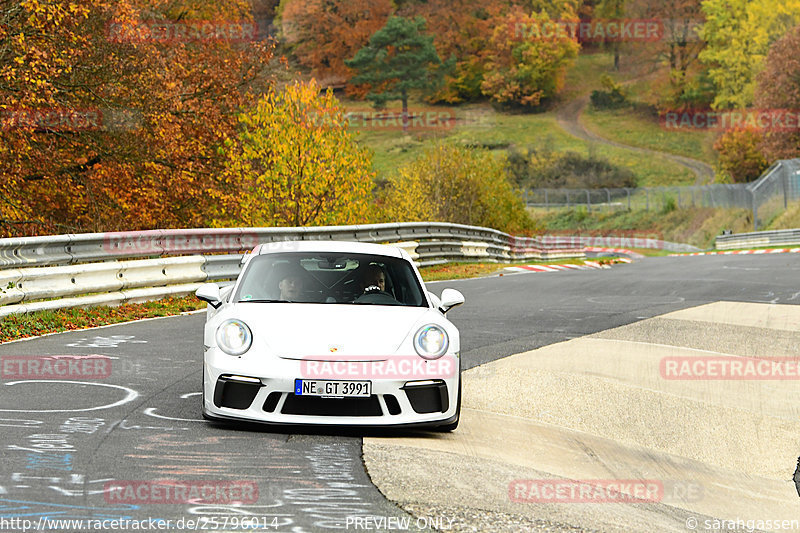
{"type": "Point", "coordinates": [238, 390]}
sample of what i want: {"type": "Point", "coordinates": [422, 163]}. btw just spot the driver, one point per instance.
{"type": "Point", "coordinates": [374, 279]}
{"type": "Point", "coordinates": [291, 287]}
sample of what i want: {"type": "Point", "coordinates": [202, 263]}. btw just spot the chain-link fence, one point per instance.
{"type": "Point", "coordinates": [766, 197]}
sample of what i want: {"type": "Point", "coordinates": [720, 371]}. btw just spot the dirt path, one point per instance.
{"type": "Point", "coordinates": [569, 115]}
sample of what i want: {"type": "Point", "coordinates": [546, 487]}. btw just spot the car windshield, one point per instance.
{"type": "Point", "coordinates": [330, 278]}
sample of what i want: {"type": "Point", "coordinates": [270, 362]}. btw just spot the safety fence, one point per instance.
{"type": "Point", "coordinates": [74, 270]}
{"type": "Point", "coordinates": [766, 197]}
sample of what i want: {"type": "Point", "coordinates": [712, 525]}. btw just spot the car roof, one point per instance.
{"type": "Point", "coordinates": [331, 246]}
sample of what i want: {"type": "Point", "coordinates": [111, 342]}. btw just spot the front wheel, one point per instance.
{"type": "Point", "coordinates": [454, 424]}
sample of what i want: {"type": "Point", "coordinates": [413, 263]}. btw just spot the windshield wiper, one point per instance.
{"type": "Point", "coordinates": [265, 301]}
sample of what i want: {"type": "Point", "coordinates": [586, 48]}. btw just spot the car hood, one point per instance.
{"type": "Point", "coordinates": [332, 332]}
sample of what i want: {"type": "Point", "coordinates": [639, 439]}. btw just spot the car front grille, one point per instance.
{"type": "Point", "coordinates": [318, 406]}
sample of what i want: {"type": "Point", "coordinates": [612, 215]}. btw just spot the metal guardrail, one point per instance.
{"type": "Point", "coordinates": [82, 248]}
{"type": "Point", "coordinates": [61, 271]}
{"type": "Point", "coordinates": [733, 241]}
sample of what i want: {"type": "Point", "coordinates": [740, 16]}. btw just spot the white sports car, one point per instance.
{"type": "Point", "coordinates": [335, 333]}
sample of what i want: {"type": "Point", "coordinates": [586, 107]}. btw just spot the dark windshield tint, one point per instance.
{"type": "Point", "coordinates": [334, 278]}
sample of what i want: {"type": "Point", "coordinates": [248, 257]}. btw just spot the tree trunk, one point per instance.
{"type": "Point", "coordinates": [405, 112]}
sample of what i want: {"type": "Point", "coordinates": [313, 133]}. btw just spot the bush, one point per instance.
{"type": "Point", "coordinates": [543, 169]}
{"type": "Point", "coordinates": [456, 184]}
{"type": "Point", "coordinates": [611, 97]}
{"type": "Point", "coordinates": [740, 158]}
{"type": "Point", "coordinates": [668, 206]}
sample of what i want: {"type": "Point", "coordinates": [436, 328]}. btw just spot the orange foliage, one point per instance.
{"type": "Point", "coordinates": [326, 32]}
{"type": "Point", "coordinates": [739, 157]}
{"type": "Point", "coordinates": [522, 67]}
{"type": "Point", "coordinates": [109, 131]}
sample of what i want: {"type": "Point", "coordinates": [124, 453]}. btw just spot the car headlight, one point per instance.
{"type": "Point", "coordinates": [431, 342]}
{"type": "Point", "coordinates": [234, 337]}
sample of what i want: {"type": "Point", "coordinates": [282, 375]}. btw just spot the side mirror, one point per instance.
{"type": "Point", "coordinates": [450, 299]}
{"type": "Point", "coordinates": [209, 292]}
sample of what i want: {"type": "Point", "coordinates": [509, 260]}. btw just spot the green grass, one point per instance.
{"type": "Point", "coordinates": [637, 129]}
{"type": "Point", "coordinates": [40, 322]}
{"type": "Point", "coordinates": [695, 226]}
{"type": "Point", "coordinates": [392, 149]}
{"type": "Point", "coordinates": [585, 75]}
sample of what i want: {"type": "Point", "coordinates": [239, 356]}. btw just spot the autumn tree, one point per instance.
{"type": "Point", "coordinates": [324, 33]}
{"type": "Point", "coordinates": [108, 124]}
{"type": "Point", "coordinates": [460, 29]}
{"type": "Point", "coordinates": [399, 59]}
{"type": "Point", "coordinates": [739, 34]}
{"type": "Point", "coordinates": [522, 65]}
{"type": "Point", "coordinates": [739, 156]}
{"type": "Point", "coordinates": [778, 90]}
{"type": "Point", "coordinates": [612, 10]}
{"type": "Point", "coordinates": [456, 184]}
{"type": "Point", "coordinates": [297, 164]}
{"type": "Point", "coordinates": [681, 79]}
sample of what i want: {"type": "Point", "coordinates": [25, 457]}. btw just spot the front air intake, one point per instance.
{"type": "Point", "coordinates": [235, 394]}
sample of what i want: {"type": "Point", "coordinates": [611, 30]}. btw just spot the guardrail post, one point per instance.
{"type": "Point", "coordinates": [588, 200]}
{"type": "Point", "coordinates": [628, 192]}
{"type": "Point", "coordinates": [647, 199]}
{"type": "Point", "coordinates": [755, 209]}
{"type": "Point", "coordinates": [546, 202]}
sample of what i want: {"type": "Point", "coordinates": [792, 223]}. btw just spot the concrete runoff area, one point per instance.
{"type": "Point", "coordinates": [602, 407]}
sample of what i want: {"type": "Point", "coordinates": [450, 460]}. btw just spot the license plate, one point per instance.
{"type": "Point", "coordinates": [341, 389]}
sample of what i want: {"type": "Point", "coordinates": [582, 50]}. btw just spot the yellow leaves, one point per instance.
{"type": "Point", "coordinates": [296, 162]}
{"type": "Point", "coordinates": [455, 184]}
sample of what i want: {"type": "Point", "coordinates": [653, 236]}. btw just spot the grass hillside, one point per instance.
{"type": "Point", "coordinates": [499, 131]}
{"type": "Point", "coordinates": [483, 125]}
{"type": "Point", "coordinates": [696, 226]}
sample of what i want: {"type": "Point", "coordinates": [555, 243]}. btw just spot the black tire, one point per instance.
{"type": "Point", "coordinates": [454, 424]}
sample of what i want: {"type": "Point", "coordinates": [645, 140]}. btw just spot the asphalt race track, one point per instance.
{"type": "Point", "coordinates": [68, 446]}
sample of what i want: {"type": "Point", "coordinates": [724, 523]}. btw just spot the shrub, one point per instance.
{"type": "Point", "coordinates": [611, 96]}
{"type": "Point", "coordinates": [545, 169]}
{"type": "Point", "coordinates": [456, 184]}
{"type": "Point", "coordinates": [740, 158]}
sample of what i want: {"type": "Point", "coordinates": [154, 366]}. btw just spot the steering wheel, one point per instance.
{"type": "Point", "coordinates": [373, 294]}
